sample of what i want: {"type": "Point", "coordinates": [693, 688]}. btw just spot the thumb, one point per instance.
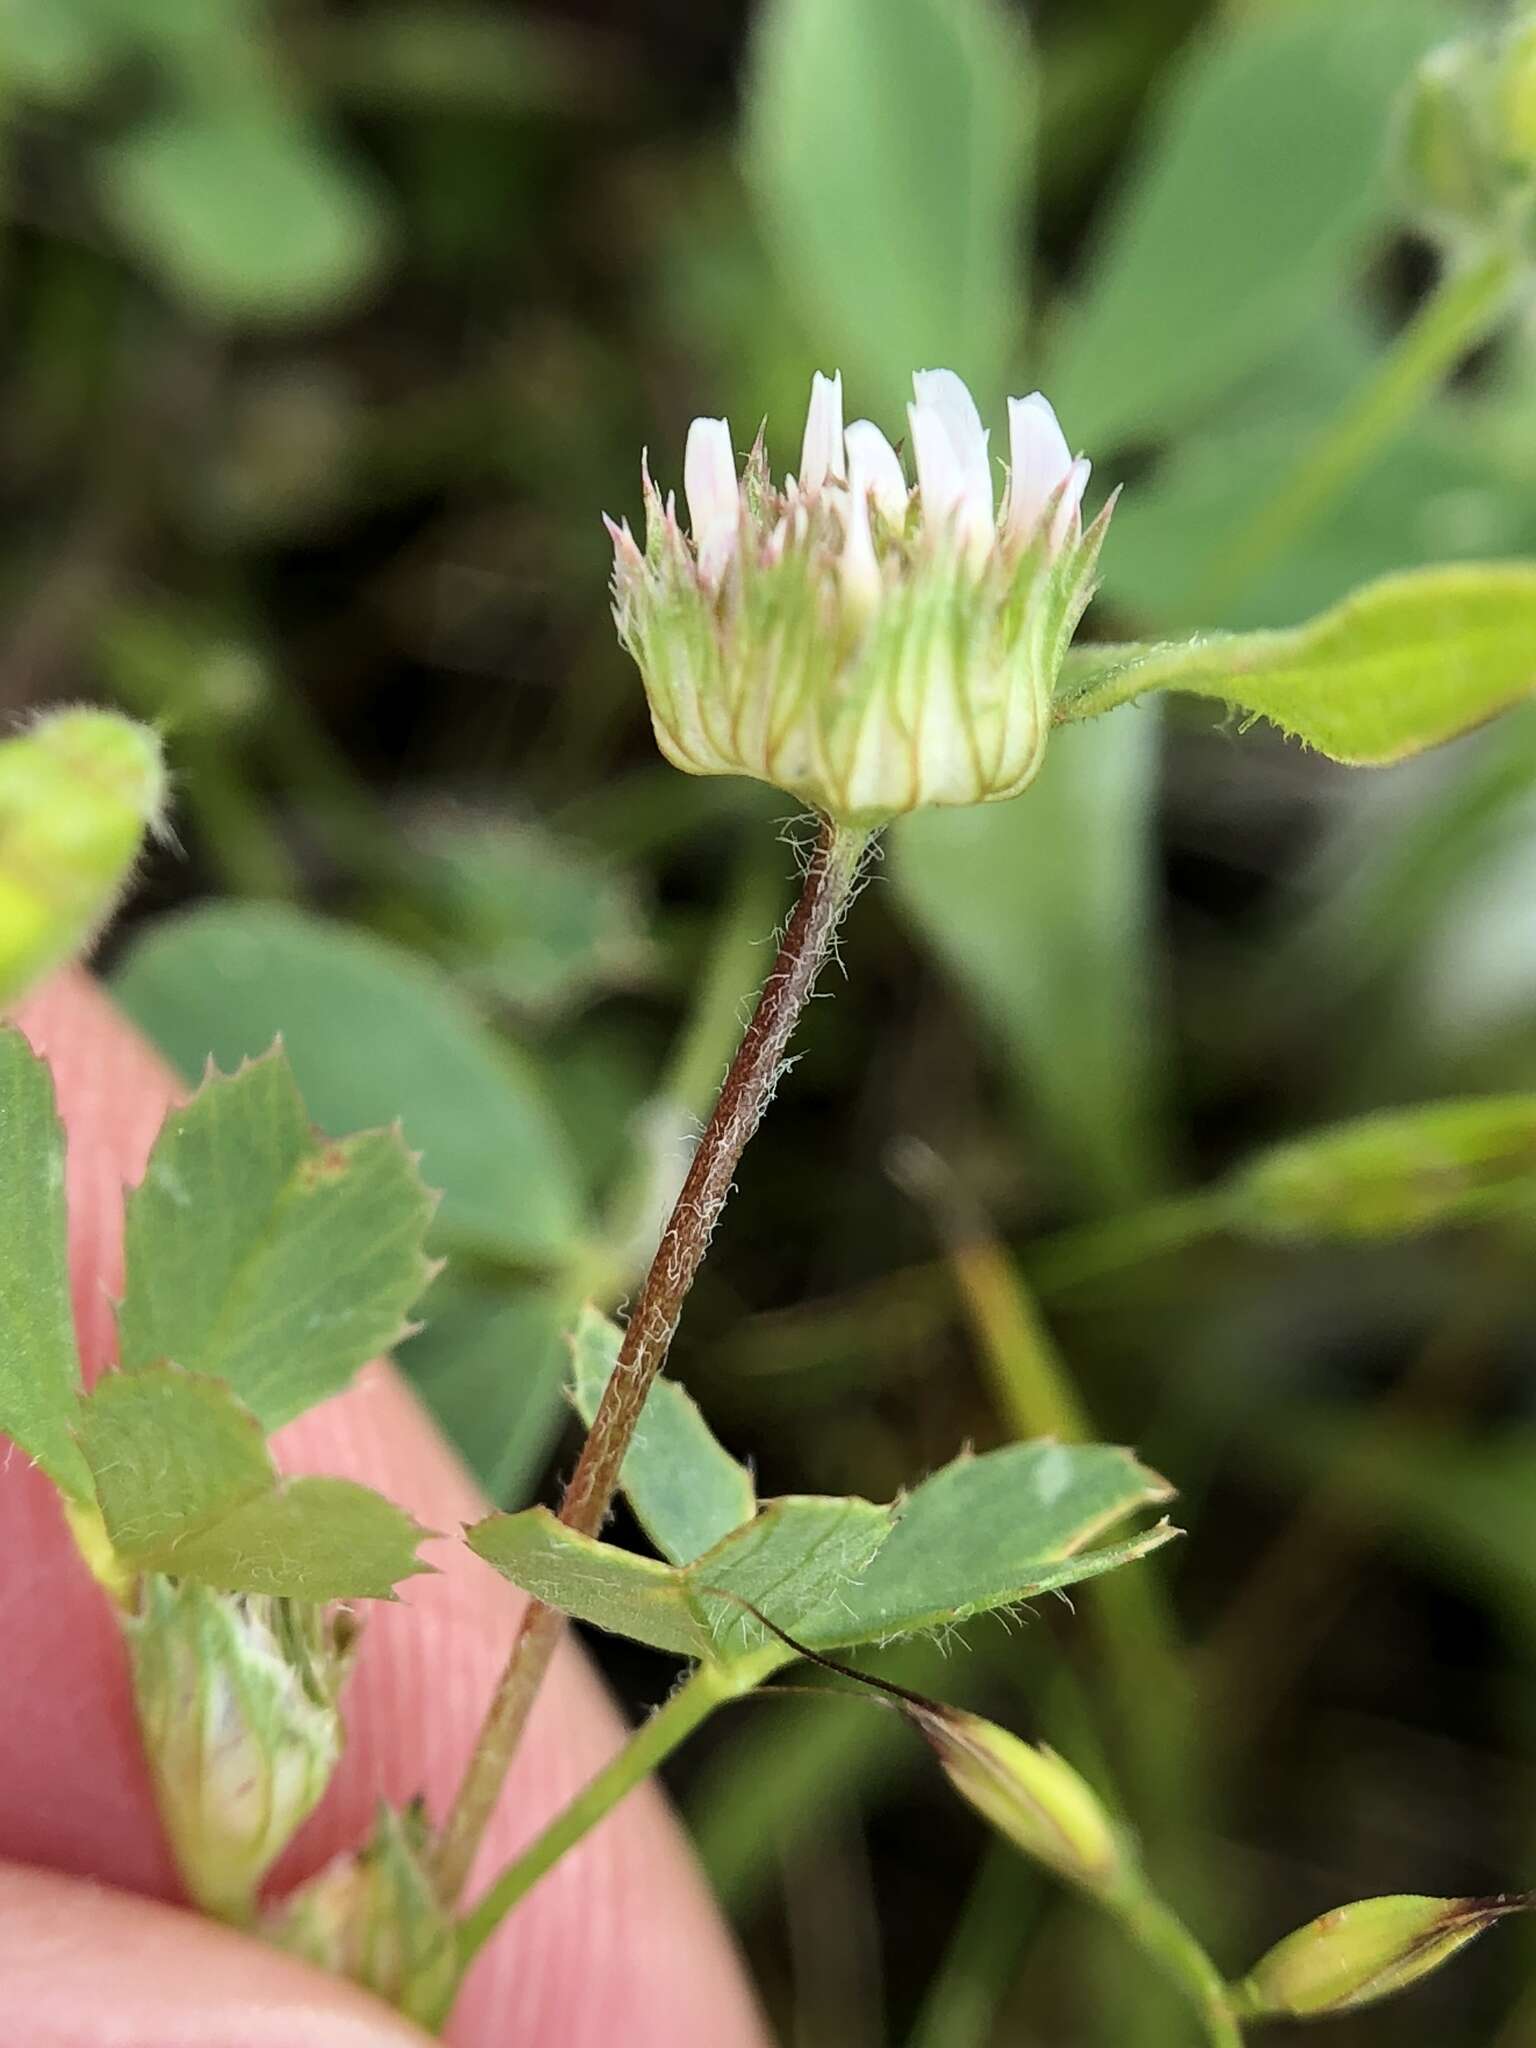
{"type": "Point", "coordinates": [86, 1967]}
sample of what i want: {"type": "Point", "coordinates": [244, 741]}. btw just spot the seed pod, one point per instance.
{"type": "Point", "coordinates": [1358, 1954]}
{"type": "Point", "coordinates": [1026, 1792]}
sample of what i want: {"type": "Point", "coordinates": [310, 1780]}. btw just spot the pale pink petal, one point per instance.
{"type": "Point", "coordinates": [821, 452]}
{"type": "Point", "coordinates": [874, 471]}
{"type": "Point", "coordinates": [714, 498]}
{"type": "Point", "coordinates": [1039, 460]}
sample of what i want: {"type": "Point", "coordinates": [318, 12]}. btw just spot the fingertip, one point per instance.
{"type": "Point", "coordinates": [85, 1966]}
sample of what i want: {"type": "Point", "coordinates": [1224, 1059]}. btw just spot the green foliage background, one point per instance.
{"type": "Point", "coordinates": [331, 330]}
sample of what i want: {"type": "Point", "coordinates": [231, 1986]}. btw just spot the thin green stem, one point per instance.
{"type": "Point", "coordinates": [1463, 310]}
{"type": "Point", "coordinates": [1164, 1939]}
{"type": "Point", "coordinates": [1074, 1257]}
{"type": "Point", "coordinates": [708, 1687]}
{"type": "Point", "coordinates": [744, 1096]}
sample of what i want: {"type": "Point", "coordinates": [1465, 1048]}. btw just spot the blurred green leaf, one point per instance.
{"type": "Point", "coordinates": [1261, 175]}
{"type": "Point", "coordinates": [982, 1533]}
{"type": "Point", "coordinates": [185, 1485]}
{"type": "Point", "coordinates": [39, 1367]}
{"type": "Point", "coordinates": [1404, 664]}
{"type": "Point", "coordinates": [373, 1033]}
{"type": "Point", "coordinates": [491, 1364]}
{"type": "Point", "coordinates": [888, 143]}
{"type": "Point", "coordinates": [56, 49]}
{"type": "Point", "coordinates": [78, 792]}
{"type": "Point", "coordinates": [246, 211]}
{"type": "Point", "coordinates": [265, 1255]}
{"type": "Point", "coordinates": [1432, 496]}
{"type": "Point", "coordinates": [1042, 909]}
{"type": "Point", "coordinates": [524, 919]}
{"type": "Point", "coordinates": [686, 1490]}
{"type": "Point", "coordinates": [1393, 1174]}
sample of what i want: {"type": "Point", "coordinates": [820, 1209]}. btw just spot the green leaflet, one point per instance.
{"type": "Point", "coordinates": [78, 791]}
{"type": "Point", "coordinates": [1393, 1174]}
{"type": "Point", "coordinates": [982, 1533]}
{"type": "Point", "coordinates": [185, 1486]}
{"type": "Point", "coordinates": [264, 1255]}
{"type": "Point", "coordinates": [794, 1560]}
{"type": "Point", "coordinates": [988, 1531]}
{"type": "Point", "coordinates": [687, 1491]}
{"type": "Point", "coordinates": [39, 1367]}
{"type": "Point", "coordinates": [1402, 665]}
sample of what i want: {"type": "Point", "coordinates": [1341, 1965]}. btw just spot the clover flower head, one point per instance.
{"type": "Point", "coordinates": [869, 645]}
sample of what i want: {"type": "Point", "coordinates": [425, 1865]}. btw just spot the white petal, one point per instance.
{"type": "Point", "coordinates": [859, 566]}
{"type": "Point", "coordinates": [950, 410]}
{"type": "Point", "coordinates": [874, 471]}
{"type": "Point", "coordinates": [821, 452]}
{"type": "Point", "coordinates": [1067, 519]}
{"type": "Point", "coordinates": [1038, 461]}
{"type": "Point", "coordinates": [714, 499]}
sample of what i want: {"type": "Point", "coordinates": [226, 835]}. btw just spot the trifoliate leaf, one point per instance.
{"type": "Point", "coordinates": [686, 1489]}
{"type": "Point", "coordinates": [1401, 665]}
{"type": "Point", "coordinates": [793, 1560]}
{"type": "Point", "coordinates": [984, 1532]}
{"type": "Point", "coordinates": [264, 1255]}
{"type": "Point", "coordinates": [78, 791]}
{"type": "Point", "coordinates": [185, 1486]}
{"type": "Point", "coordinates": [39, 1366]}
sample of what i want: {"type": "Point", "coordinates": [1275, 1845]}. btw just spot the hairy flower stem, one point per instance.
{"type": "Point", "coordinates": [745, 1094]}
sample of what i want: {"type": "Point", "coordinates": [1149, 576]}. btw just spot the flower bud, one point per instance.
{"type": "Point", "coordinates": [1360, 1953]}
{"type": "Point", "coordinates": [869, 646]}
{"type": "Point", "coordinates": [77, 793]}
{"type": "Point", "coordinates": [1028, 1794]}
{"type": "Point", "coordinates": [1517, 94]}
{"type": "Point", "coordinates": [237, 1707]}
{"type": "Point", "coordinates": [375, 1917]}
{"type": "Point", "coordinates": [1468, 138]}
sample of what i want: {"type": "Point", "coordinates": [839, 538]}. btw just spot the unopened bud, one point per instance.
{"type": "Point", "coordinates": [237, 1701]}
{"type": "Point", "coordinates": [375, 1916]}
{"type": "Point", "coordinates": [1468, 139]}
{"type": "Point", "coordinates": [1360, 1953]}
{"type": "Point", "coordinates": [1028, 1793]}
{"type": "Point", "coordinates": [78, 791]}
